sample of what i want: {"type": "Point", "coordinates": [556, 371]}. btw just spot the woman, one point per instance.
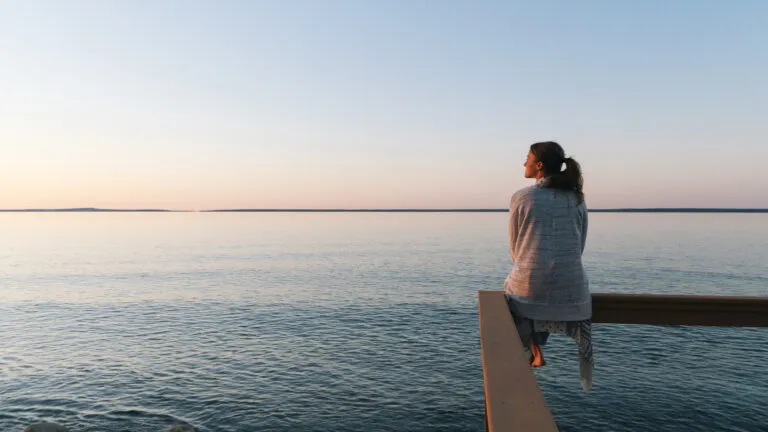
{"type": "Point", "coordinates": [547, 289]}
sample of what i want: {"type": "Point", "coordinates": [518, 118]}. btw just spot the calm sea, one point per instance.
{"type": "Point", "coordinates": [352, 322]}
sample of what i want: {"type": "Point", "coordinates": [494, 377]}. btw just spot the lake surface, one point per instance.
{"type": "Point", "coordinates": [349, 322]}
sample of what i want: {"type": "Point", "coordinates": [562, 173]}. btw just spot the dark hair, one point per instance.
{"type": "Point", "coordinates": [552, 157]}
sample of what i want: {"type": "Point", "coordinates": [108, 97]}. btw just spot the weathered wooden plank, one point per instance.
{"type": "Point", "coordinates": [514, 402]}
{"type": "Point", "coordinates": [680, 310]}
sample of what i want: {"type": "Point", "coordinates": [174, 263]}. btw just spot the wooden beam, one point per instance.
{"type": "Point", "coordinates": [680, 310]}
{"type": "Point", "coordinates": [513, 400]}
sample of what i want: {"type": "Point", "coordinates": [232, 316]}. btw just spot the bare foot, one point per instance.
{"type": "Point", "coordinates": [537, 357]}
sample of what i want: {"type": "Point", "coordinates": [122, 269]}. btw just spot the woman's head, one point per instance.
{"type": "Point", "coordinates": [547, 160]}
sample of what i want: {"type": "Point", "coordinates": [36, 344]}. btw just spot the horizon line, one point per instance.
{"type": "Point", "coordinates": [384, 210]}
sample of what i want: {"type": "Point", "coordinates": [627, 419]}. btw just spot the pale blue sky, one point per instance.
{"type": "Point", "coordinates": [204, 104]}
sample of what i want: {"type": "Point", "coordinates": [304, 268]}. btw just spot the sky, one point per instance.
{"type": "Point", "coordinates": [379, 104]}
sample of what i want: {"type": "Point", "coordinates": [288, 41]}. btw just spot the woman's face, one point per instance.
{"type": "Point", "coordinates": [532, 166]}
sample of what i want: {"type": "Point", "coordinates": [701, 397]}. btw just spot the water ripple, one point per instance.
{"type": "Point", "coordinates": [348, 323]}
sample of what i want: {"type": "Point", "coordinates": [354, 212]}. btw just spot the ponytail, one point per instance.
{"type": "Point", "coordinates": [572, 178]}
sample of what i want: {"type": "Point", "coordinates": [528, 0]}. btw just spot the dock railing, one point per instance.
{"type": "Point", "coordinates": [513, 400]}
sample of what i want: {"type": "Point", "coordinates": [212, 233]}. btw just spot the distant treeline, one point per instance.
{"type": "Point", "coordinates": [623, 210]}
{"type": "Point", "coordinates": [627, 210]}
{"type": "Point", "coordinates": [85, 210]}
{"type": "Point", "coordinates": [680, 210]}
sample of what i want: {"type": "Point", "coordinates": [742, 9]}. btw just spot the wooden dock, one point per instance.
{"type": "Point", "coordinates": [513, 400]}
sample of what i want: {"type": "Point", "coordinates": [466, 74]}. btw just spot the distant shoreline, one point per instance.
{"type": "Point", "coordinates": [680, 210]}
{"type": "Point", "coordinates": [618, 210]}
{"type": "Point", "coordinates": [90, 210]}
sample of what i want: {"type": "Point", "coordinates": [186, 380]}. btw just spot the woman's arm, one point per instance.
{"type": "Point", "coordinates": [513, 227]}
{"type": "Point", "coordinates": [584, 226]}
